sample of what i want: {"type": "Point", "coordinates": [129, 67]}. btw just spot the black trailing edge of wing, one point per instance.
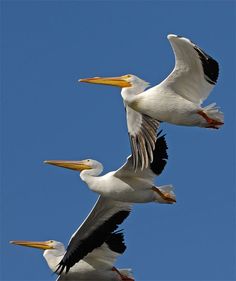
{"type": "Point", "coordinates": [78, 249]}
{"type": "Point", "coordinates": [210, 66]}
{"type": "Point", "coordinates": [160, 155]}
{"type": "Point", "coordinates": [116, 242]}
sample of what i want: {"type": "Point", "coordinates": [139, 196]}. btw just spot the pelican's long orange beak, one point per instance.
{"type": "Point", "coordinates": [45, 245]}
{"type": "Point", "coordinates": [73, 165]}
{"type": "Point", "coordinates": [111, 81]}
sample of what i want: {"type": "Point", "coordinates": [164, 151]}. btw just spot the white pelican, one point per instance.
{"type": "Point", "coordinates": [97, 265]}
{"type": "Point", "coordinates": [125, 184]}
{"type": "Point", "coordinates": [86, 249]}
{"type": "Point", "coordinates": [176, 100]}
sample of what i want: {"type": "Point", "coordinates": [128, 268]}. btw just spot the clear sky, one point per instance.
{"type": "Point", "coordinates": [46, 47]}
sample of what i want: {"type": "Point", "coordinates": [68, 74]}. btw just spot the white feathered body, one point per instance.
{"type": "Point", "coordinates": [97, 265]}
{"type": "Point", "coordinates": [168, 107]}
{"type": "Point", "coordinates": [127, 189]}
{"type": "Point", "coordinates": [178, 98]}
{"type": "Point", "coordinates": [84, 271]}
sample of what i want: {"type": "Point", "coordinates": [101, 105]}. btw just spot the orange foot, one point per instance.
{"type": "Point", "coordinates": [212, 123]}
{"type": "Point", "coordinates": [165, 195]}
{"type": "Point", "coordinates": [123, 277]}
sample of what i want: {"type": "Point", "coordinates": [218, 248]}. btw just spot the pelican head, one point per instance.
{"type": "Point", "coordinates": [53, 251]}
{"type": "Point", "coordinates": [44, 245]}
{"type": "Point", "coordinates": [125, 81]}
{"type": "Point", "coordinates": [83, 165]}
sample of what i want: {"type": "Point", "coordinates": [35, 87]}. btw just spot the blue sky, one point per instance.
{"type": "Point", "coordinates": [46, 114]}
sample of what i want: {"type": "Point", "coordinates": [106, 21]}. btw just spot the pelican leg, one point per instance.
{"type": "Point", "coordinates": [212, 123]}
{"type": "Point", "coordinates": [164, 195]}
{"type": "Point", "coordinates": [123, 277]}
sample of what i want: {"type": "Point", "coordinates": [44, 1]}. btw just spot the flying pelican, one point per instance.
{"type": "Point", "coordinates": [96, 229]}
{"type": "Point", "coordinates": [125, 184]}
{"type": "Point", "coordinates": [97, 265]}
{"type": "Point", "coordinates": [176, 100]}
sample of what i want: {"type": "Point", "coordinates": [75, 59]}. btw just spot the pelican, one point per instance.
{"type": "Point", "coordinates": [176, 100]}
{"type": "Point", "coordinates": [97, 265]}
{"type": "Point", "coordinates": [125, 184]}
{"type": "Point", "coordinates": [86, 249]}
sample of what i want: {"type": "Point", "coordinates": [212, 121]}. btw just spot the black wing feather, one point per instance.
{"type": "Point", "coordinates": [116, 242]}
{"type": "Point", "coordinates": [210, 66]}
{"type": "Point", "coordinates": [160, 155]}
{"type": "Point", "coordinates": [78, 249]}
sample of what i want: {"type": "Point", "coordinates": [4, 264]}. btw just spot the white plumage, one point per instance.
{"type": "Point", "coordinates": [126, 184]}
{"type": "Point", "coordinates": [92, 249]}
{"type": "Point", "coordinates": [176, 100]}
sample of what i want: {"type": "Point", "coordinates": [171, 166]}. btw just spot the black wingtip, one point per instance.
{"type": "Point", "coordinates": [160, 155]}
{"type": "Point", "coordinates": [210, 66]}
{"type": "Point", "coordinates": [78, 249]}
{"type": "Point", "coordinates": [116, 242]}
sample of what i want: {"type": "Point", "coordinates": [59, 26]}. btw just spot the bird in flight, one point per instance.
{"type": "Point", "coordinates": [97, 265]}
{"type": "Point", "coordinates": [126, 184]}
{"type": "Point", "coordinates": [176, 100]}
{"type": "Point", "coordinates": [92, 249]}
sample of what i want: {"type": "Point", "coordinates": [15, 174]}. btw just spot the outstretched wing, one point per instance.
{"type": "Point", "coordinates": [101, 259]}
{"type": "Point", "coordinates": [142, 133]}
{"type": "Point", "coordinates": [195, 72]}
{"type": "Point", "coordinates": [154, 168]}
{"type": "Point", "coordinates": [105, 256]}
{"type": "Point", "coordinates": [103, 219]}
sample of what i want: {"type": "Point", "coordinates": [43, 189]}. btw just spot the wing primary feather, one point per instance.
{"type": "Point", "coordinates": [79, 248]}
{"type": "Point", "coordinates": [134, 150]}
{"type": "Point", "coordinates": [140, 153]}
{"type": "Point", "coordinates": [142, 134]}
{"type": "Point", "coordinates": [145, 143]}
{"type": "Point", "coordinates": [153, 123]}
{"type": "Point", "coordinates": [210, 66]}
{"type": "Point", "coordinates": [149, 144]}
{"type": "Point", "coordinates": [160, 155]}
{"type": "Point", "coordinates": [151, 136]}
{"type": "Point", "coordinates": [116, 242]}
{"type": "Point", "coordinates": [153, 139]}
{"type": "Point", "coordinates": [143, 151]}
